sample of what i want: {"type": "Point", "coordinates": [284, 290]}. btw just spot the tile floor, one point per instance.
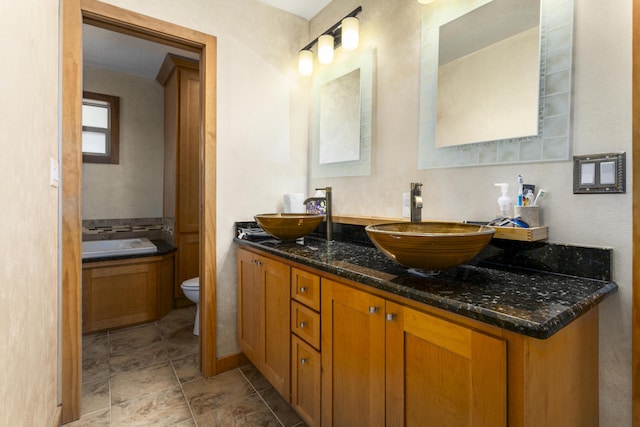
{"type": "Point", "coordinates": [148, 375]}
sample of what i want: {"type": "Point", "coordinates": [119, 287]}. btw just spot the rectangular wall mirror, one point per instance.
{"type": "Point", "coordinates": [495, 83]}
{"type": "Point", "coordinates": [342, 111]}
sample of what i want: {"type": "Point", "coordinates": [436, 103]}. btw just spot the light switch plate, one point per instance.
{"type": "Point", "coordinates": [599, 173]}
{"type": "Point", "coordinates": [54, 173]}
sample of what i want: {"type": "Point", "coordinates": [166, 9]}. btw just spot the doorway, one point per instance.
{"type": "Point", "coordinates": [74, 13]}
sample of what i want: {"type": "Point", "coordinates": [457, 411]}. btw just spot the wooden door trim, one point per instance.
{"type": "Point", "coordinates": [636, 214]}
{"type": "Point", "coordinates": [128, 22]}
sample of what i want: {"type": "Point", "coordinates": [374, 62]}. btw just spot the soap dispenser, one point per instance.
{"type": "Point", "coordinates": [505, 206]}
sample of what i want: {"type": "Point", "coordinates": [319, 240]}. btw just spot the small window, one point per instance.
{"type": "Point", "coordinates": [100, 128]}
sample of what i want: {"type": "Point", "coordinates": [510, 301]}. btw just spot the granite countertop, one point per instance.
{"type": "Point", "coordinates": [164, 248]}
{"type": "Point", "coordinates": [533, 303]}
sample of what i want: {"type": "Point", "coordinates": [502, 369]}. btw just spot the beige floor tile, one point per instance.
{"type": "Point", "coordinates": [183, 313]}
{"type": "Point", "coordinates": [95, 358]}
{"type": "Point", "coordinates": [187, 369]}
{"type": "Point", "coordinates": [126, 340]}
{"type": "Point", "coordinates": [181, 342]}
{"type": "Point", "coordinates": [95, 419]}
{"type": "Point", "coordinates": [163, 408]}
{"type": "Point", "coordinates": [140, 357]}
{"type": "Point", "coordinates": [248, 412]}
{"type": "Point", "coordinates": [95, 396]}
{"type": "Point", "coordinates": [257, 380]}
{"type": "Point", "coordinates": [208, 394]}
{"type": "Point", "coordinates": [133, 384]}
{"type": "Point", "coordinates": [280, 407]}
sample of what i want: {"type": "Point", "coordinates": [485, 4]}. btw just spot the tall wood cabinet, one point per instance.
{"type": "Point", "coordinates": [180, 78]}
{"type": "Point", "coordinates": [263, 316]}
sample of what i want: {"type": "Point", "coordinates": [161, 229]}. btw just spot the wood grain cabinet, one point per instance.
{"type": "Point", "coordinates": [125, 292]}
{"type": "Point", "coordinates": [384, 360]}
{"type": "Point", "coordinates": [402, 367]}
{"type": "Point", "coordinates": [305, 345]}
{"type": "Point", "coordinates": [264, 315]}
{"type": "Point", "coordinates": [181, 187]}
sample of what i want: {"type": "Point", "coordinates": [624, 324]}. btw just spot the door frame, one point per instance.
{"type": "Point", "coordinates": [73, 14]}
{"type": "Point", "coordinates": [635, 177]}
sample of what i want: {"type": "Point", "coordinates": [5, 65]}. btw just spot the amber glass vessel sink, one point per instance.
{"type": "Point", "coordinates": [289, 226]}
{"type": "Point", "coordinates": [430, 245]}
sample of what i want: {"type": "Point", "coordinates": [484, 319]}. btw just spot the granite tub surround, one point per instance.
{"type": "Point", "coordinates": [123, 228]}
{"type": "Point", "coordinates": [511, 295]}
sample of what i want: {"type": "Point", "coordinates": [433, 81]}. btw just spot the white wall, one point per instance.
{"type": "Point", "coordinates": [132, 188]}
{"type": "Point", "coordinates": [261, 123]}
{"type": "Point", "coordinates": [29, 211]}
{"type": "Point", "coordinates": [601, 123]}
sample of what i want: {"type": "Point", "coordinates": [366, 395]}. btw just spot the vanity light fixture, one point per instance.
{"type": "Point", "coordinates": [345, 33]}
{"type": "Point", "coordinates": [425, 1]}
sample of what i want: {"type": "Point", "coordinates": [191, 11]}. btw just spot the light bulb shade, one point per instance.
{"type": "Point", "coordinates": [350, 33]}
{"type": "Point", "coordinates": [325, 49]}
{"type": "Point", "coordinates": [305, 62]}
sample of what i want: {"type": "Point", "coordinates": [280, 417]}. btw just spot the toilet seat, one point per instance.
{"type": "Point", "coordinates": [193, 283]}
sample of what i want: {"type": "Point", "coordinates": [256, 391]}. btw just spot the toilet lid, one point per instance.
{"type": "Point", "coordinates": [191, 283]}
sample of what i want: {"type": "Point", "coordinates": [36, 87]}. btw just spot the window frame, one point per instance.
{"type": "Point", "coordinates": [113, 132]}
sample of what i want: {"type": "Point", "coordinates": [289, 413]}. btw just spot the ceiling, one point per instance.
{"type": "Point", "coordinates": [119, 52]}
{"type": "Point", "coordinates": [304, 8]}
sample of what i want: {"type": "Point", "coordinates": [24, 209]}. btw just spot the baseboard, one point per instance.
{"type": "Point", "coordinates": [57, 417]}
{"type": "Point", "coordinates": [232, 361]}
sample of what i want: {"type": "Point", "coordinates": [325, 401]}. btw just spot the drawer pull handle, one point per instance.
{"type": "Point", "coordinates": [391, 317]}
{"type": "Point", "coordinates": [303, 324]}
{"type": "Point", "coordinates": [304, 361]}
{"type": "Point", "coordinates": [373, 309]}
{"type": "Point", "coordinates": [303, 289]}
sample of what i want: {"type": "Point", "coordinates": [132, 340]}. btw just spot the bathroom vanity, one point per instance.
{"type": "Point", "coordinates": [336, 326]}
{"type": "Point", "coordinates": [124, 290]}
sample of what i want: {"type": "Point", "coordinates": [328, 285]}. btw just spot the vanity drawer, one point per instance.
{"type": "Point", "coordinates": [305, 288]}
{"type": "Point", "coordinates": [305, 323]}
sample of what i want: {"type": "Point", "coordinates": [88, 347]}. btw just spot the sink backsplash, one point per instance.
{"type": "Point", "coordinates": [580, 261]}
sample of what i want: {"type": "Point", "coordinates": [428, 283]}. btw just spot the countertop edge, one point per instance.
{"type": "Point", "coordinates": [481, 314]}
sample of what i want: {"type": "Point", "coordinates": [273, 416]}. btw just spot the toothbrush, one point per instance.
{"type": "Point", "coordinates": [540, 195]}
{"type": "Point", "coordinates": [520, 189]}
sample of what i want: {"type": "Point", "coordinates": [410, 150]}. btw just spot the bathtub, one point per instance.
{"type": "Point", "coordinates": [107, 248]}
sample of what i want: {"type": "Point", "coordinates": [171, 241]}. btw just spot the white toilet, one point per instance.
{"type": "Point", "coordinates": [191, 289]}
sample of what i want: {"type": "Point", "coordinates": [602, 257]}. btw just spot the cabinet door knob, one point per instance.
{"type": "Point", "coordinates": [303, 324]}
{"type": "Point", "coordinates": [304, 361]}
{"type": "Point", "coordinates": [373, 309]}
{"type": "Point", "coordinates": [303, 289]}
{"type": "Point", "coordinates": [391, 317]}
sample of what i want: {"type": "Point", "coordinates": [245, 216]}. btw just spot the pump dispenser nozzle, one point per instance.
{"type": "Point", "coordinates": [504, 202]}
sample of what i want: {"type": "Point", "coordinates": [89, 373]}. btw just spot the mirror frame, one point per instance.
{"type": "Point", "coordinates": [553, 141]}
{"type": "Point", "coordinates": [364, 60]}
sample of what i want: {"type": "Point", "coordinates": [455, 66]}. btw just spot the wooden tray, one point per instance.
{"type": "Point", "coordinates": [532, 234]}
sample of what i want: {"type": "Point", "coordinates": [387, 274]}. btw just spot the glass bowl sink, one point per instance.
{"type": "Point", "coordinates": [430, 245]}
{"type": "Point", "coordinates": [286, 226]}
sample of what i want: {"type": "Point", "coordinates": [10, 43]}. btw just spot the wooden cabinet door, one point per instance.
{"type": "Point", "coordinates": [274, 279]}
{"type": "Point", "coordinates": [264, 316]}
{"type": "Point", "coordinates": [442, 374]}
{"type": "Point", "coordinates": [305, 381]}
{"type": "Point", "coordinates": [118, 296]}
{"type": "Point", "coordinates": [189, 152]}
{"type": "Point", "coordinates": [353, 357]}
{"type": "Point", "coordinates": [249, 324]}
